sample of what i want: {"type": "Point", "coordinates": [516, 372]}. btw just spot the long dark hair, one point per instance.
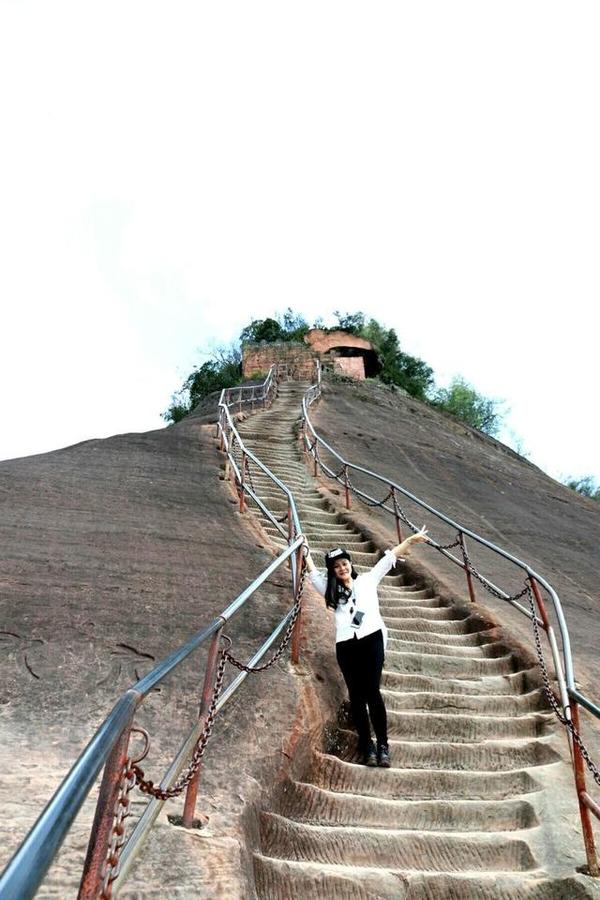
{"type": "Point", "coordinates": [333, 594]}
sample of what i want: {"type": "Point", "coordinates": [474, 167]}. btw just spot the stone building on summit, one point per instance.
{"type": "Point", "coordinates": [338, 351]}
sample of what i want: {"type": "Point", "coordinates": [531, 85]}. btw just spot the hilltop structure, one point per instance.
{"type": "Point", "coordinates": [338, 351]}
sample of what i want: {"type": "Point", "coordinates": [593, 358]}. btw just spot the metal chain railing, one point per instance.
{"type": "Point", "coordinates": [146, 785]}
{"type": "Point", "coordinates": [402, 515]}
{"type": "Point", "coordinates": [551, 696]}
{"type": "Point", "coordinates": [374, 503]}
{"type": "Point", "coordinates": [440, 547]}
{"type": "Point", "coordinates": [490, 588]}
{"type": "Point", "coordinates": [286, 638]}
{"type": "Point", "coordinates": [121, 813]}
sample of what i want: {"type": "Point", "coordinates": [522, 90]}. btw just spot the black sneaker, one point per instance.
{"type": "Point", "coordinates": [369, 756]}
{"type": "Point", "coordinates": [383, 756]}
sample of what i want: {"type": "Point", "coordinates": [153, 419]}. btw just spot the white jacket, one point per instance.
{"type": "Point", "coordinates": [364, 597]}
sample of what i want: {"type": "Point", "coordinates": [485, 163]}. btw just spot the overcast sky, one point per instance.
{"type": "Point", "coordinates": [171, 170]}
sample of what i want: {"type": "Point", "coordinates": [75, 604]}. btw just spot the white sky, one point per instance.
{"type": "Point", "coordinates": [169, 170]}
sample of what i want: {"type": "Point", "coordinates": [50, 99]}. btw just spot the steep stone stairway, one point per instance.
{"type": "Point", "coordinates": [458, 813]}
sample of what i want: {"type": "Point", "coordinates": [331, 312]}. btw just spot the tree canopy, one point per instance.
{"type": "Point", "coordinates": [462, 400]}
{"type": "Point", "coordinates": [584, 484]}
{"type": "Point", "coordinates": [289, 327]}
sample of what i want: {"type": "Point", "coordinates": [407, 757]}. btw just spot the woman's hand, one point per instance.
{"type": "Point", "coordinates": [309, 560]}
{"type": "Point", "coordinates": [419, 538]}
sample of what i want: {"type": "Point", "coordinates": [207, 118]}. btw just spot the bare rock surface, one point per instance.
{"type": "Point", "coordinates": [115, 552]}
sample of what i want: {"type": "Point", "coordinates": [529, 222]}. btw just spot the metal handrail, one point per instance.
{"type": "Point", "coordinates": [27, 868]}
{"type": "Point", "coordinates": [257, 392]}
{"type": "Point", "coordinates": [570, 695]}
{"type": "Point", "coordinates": [229, 437]}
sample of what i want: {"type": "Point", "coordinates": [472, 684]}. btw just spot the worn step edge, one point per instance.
{"type": "Point", "coordinates": [486, 756]}
{"type": "Point", "coordinates": [334, 774]}
{"type": "Point", "coordinates": [309, 804]}
{"type": "Point", "coordinates": [482, 704]}
{"type": "Point", "coordinates": [281, 879]}
{"type": "Point", "coordinates": [459, 728]}
{"type": "Point", "coordinates": [387, 847]}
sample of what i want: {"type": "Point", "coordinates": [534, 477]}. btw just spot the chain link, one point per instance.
{"type": "Point", "coordinates": [551, 696]}
{"type": "Point", "coordinates": [146, 785]}
{"type": "Point", "coordinates": [455, 543]}
{"type": "Point", "coordinates": [370, 503]}
{"type": "Point", "coordinates": [117, 840]}
{"type": "Point", "coordinates": [286, 638]}
{"type": "Point", "coordinates": [402, 515]}
{"type": "Point", "coordinates": [489, 588]}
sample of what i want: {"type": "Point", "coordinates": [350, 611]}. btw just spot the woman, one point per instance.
{"type": "Point", "coordinates": [361, 638]}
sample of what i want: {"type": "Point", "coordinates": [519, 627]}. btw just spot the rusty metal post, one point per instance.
{"type": "Point", "coordinates": [347, 486]}
{"type": "Point", "coordinates": [243, 477]}
{"type": "Point", "coordinates": [540, 602]}
{"type": "Point", "coordinates": [189, 807]}
{"type": "Point", "coordinates": [586, 822]}
{"type": "Point", "coordinates": [398, 528]}
{"type": "Point", "coordinates": [463, 547]}
{"type": "Point", "coordinates": [232, 476]}
{"type": "Point", "coordinates": [100, 835]}
{"type": "Point", "coordinates": [297, 625]}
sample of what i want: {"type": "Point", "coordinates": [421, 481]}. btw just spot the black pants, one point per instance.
{"type": "Point", "coordinates": [361, 662]}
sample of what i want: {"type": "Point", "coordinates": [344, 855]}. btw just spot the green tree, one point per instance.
{"type": "Point", "coordinates": [399, 368]}
{"type": "Point", "coordinates": [463, 401]}
{"type": "Point", "coordinates": [224, 370]}
{"type": "Point", "coordinates": [289, 327]}
{"type": "Point", "coordinates": [294, 325]}
{"type": "Point", "coordinates": [269, 330]}
{"type": "Point", "coordinates": [586, 485]}
{"type": "Point", "coordinates": [350, 322]}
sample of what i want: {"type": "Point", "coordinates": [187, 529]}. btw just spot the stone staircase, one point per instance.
{"type": "Point", "coordinates": [459, 813]}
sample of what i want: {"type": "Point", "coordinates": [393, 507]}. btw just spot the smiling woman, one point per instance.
{"type": "Point", "coordinates": [361, 638]}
